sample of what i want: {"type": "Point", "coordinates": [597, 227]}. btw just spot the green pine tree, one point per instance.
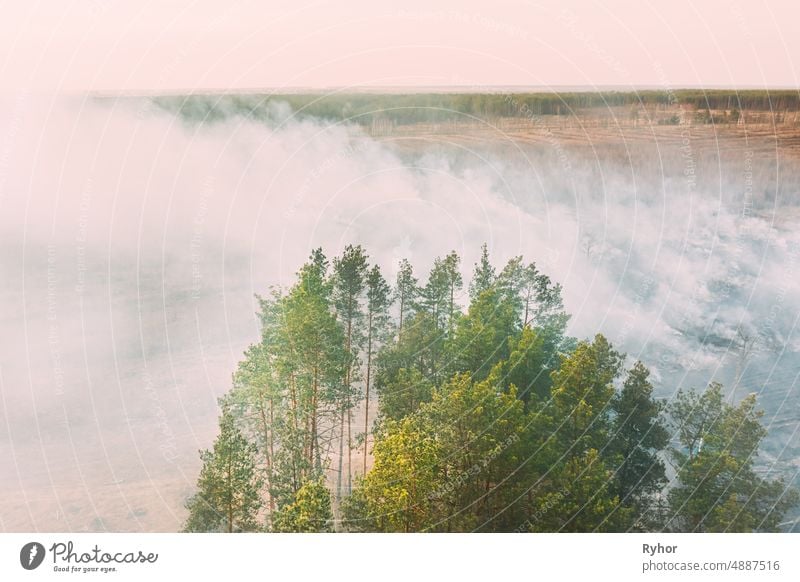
{"type": "Point", "coordinates": [483, 275]}
{"type": "Point", "coordinates": [378, 302]}
{"type": "Point", "coordinates": [717, 487]}
{"type": "Point", "coordinates": [406, 293]}
{"type": "Point", "coordinates": [309, 512]}
{"type": "Point", "coordinates": [228, 497]}
{"type": "Point", "coordinates": [349, 282]}
{"type": "Point", "coordinates": [638, 436]}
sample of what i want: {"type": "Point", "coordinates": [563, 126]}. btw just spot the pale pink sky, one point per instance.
{"type": "Point", "coordinates": [169, 45]}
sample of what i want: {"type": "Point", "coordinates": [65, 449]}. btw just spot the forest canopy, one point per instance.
{"type": "Point", "coordinates": [396, 406]}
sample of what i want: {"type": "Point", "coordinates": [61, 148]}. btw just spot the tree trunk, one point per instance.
{"type": "Point", "coordinates": [265, 427]}
{"type": "Point", "coordinates": [346, 398]}
{"type": "Point", "coordinates": [313, 436]}
{"type": "Point", "coordinates": [271, 449]}
{"type": "Point", "coordinates": [402, 305]}
{"type": "Point", "coordinates": [450, 314]}
{"type": "Point", "coordinates": [341, 456]}
{"type": "Point", "coordinates": [366, 392]}
{"type": "Point", "coordinates": [293, 396]}
{"type": "Point", "coordinates": [349, 451]}
{"type": "Point", "coordinates": [230, 495]}
{"type": "Point", "coordinates": [527, 305]}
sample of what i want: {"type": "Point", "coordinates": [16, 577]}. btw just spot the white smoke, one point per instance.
{"type": "Point", "coordinates": [133, 243]}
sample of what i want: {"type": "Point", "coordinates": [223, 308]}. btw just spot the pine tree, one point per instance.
{"type": "Point", "coordinates": [349, 273]}
{"type": "Point", "coordinates": [547, 308]}
{"type": "Point", "coordinates": [255, 399]}
{"type": "Point", "coordinates": [526, 367]}
{"type": "Point", "coordinates": [316, 358]}
{"type": "Point", "coordinates": [406, 292]}
{"type": "Point", "coordinates": [454, 283]}
{"type": "Point", "coordinates": [228, 496]}
{"type": "Point", "coordinates": [438, 303]}
{"type": "Point", "coordinates": [306, 345]}
{"type": "Point", "coordinates": [511, 282]}
{"type": "Point", "coordinates": [309, 512]}
{"type": "Point", "coordinates": [378, 301]}
{"type": "Point", "coordinates": [445, 467]}
{"type": "Point", "coordinates": [579, 419]}
{"type": "Point", "coordinates": [483, 276]}
{"type": "Point", "coordinates": [539, 307]}
{"type": "Point", "coordinates": [582, 394]}
{"type": "Point", "coordinates": [576, 496]}
{"type": "Point", "coordinates": [438, 295]}
{"type": "Point", "coordinates": [481, 337]}
{"type": "Point", "coordinates": [638, 436]}
{"type": "Point", "coordinates": [718, 489]}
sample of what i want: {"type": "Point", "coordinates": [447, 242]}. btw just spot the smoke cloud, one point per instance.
{"type": "Point", "coordinates": [133, 243]}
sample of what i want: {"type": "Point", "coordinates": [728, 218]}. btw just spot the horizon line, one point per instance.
{"type": "Point", "coordinates": [419, 89]}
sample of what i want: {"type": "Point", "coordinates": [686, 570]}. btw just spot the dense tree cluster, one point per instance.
{"type": "Point", "coordinates": [370, 407]}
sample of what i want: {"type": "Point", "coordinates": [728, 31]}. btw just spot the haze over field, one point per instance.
{"type": "Point", "coordinates": [134, 240]}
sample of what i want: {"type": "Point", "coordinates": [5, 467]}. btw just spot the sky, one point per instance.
{"type": "Point", "coordinates": [195, 45]}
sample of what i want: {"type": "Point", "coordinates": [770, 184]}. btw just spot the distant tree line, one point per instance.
{"type": "Point", "coordinates": [364, 108]}
{"type": "Point", "coordinates": [367, 406]}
